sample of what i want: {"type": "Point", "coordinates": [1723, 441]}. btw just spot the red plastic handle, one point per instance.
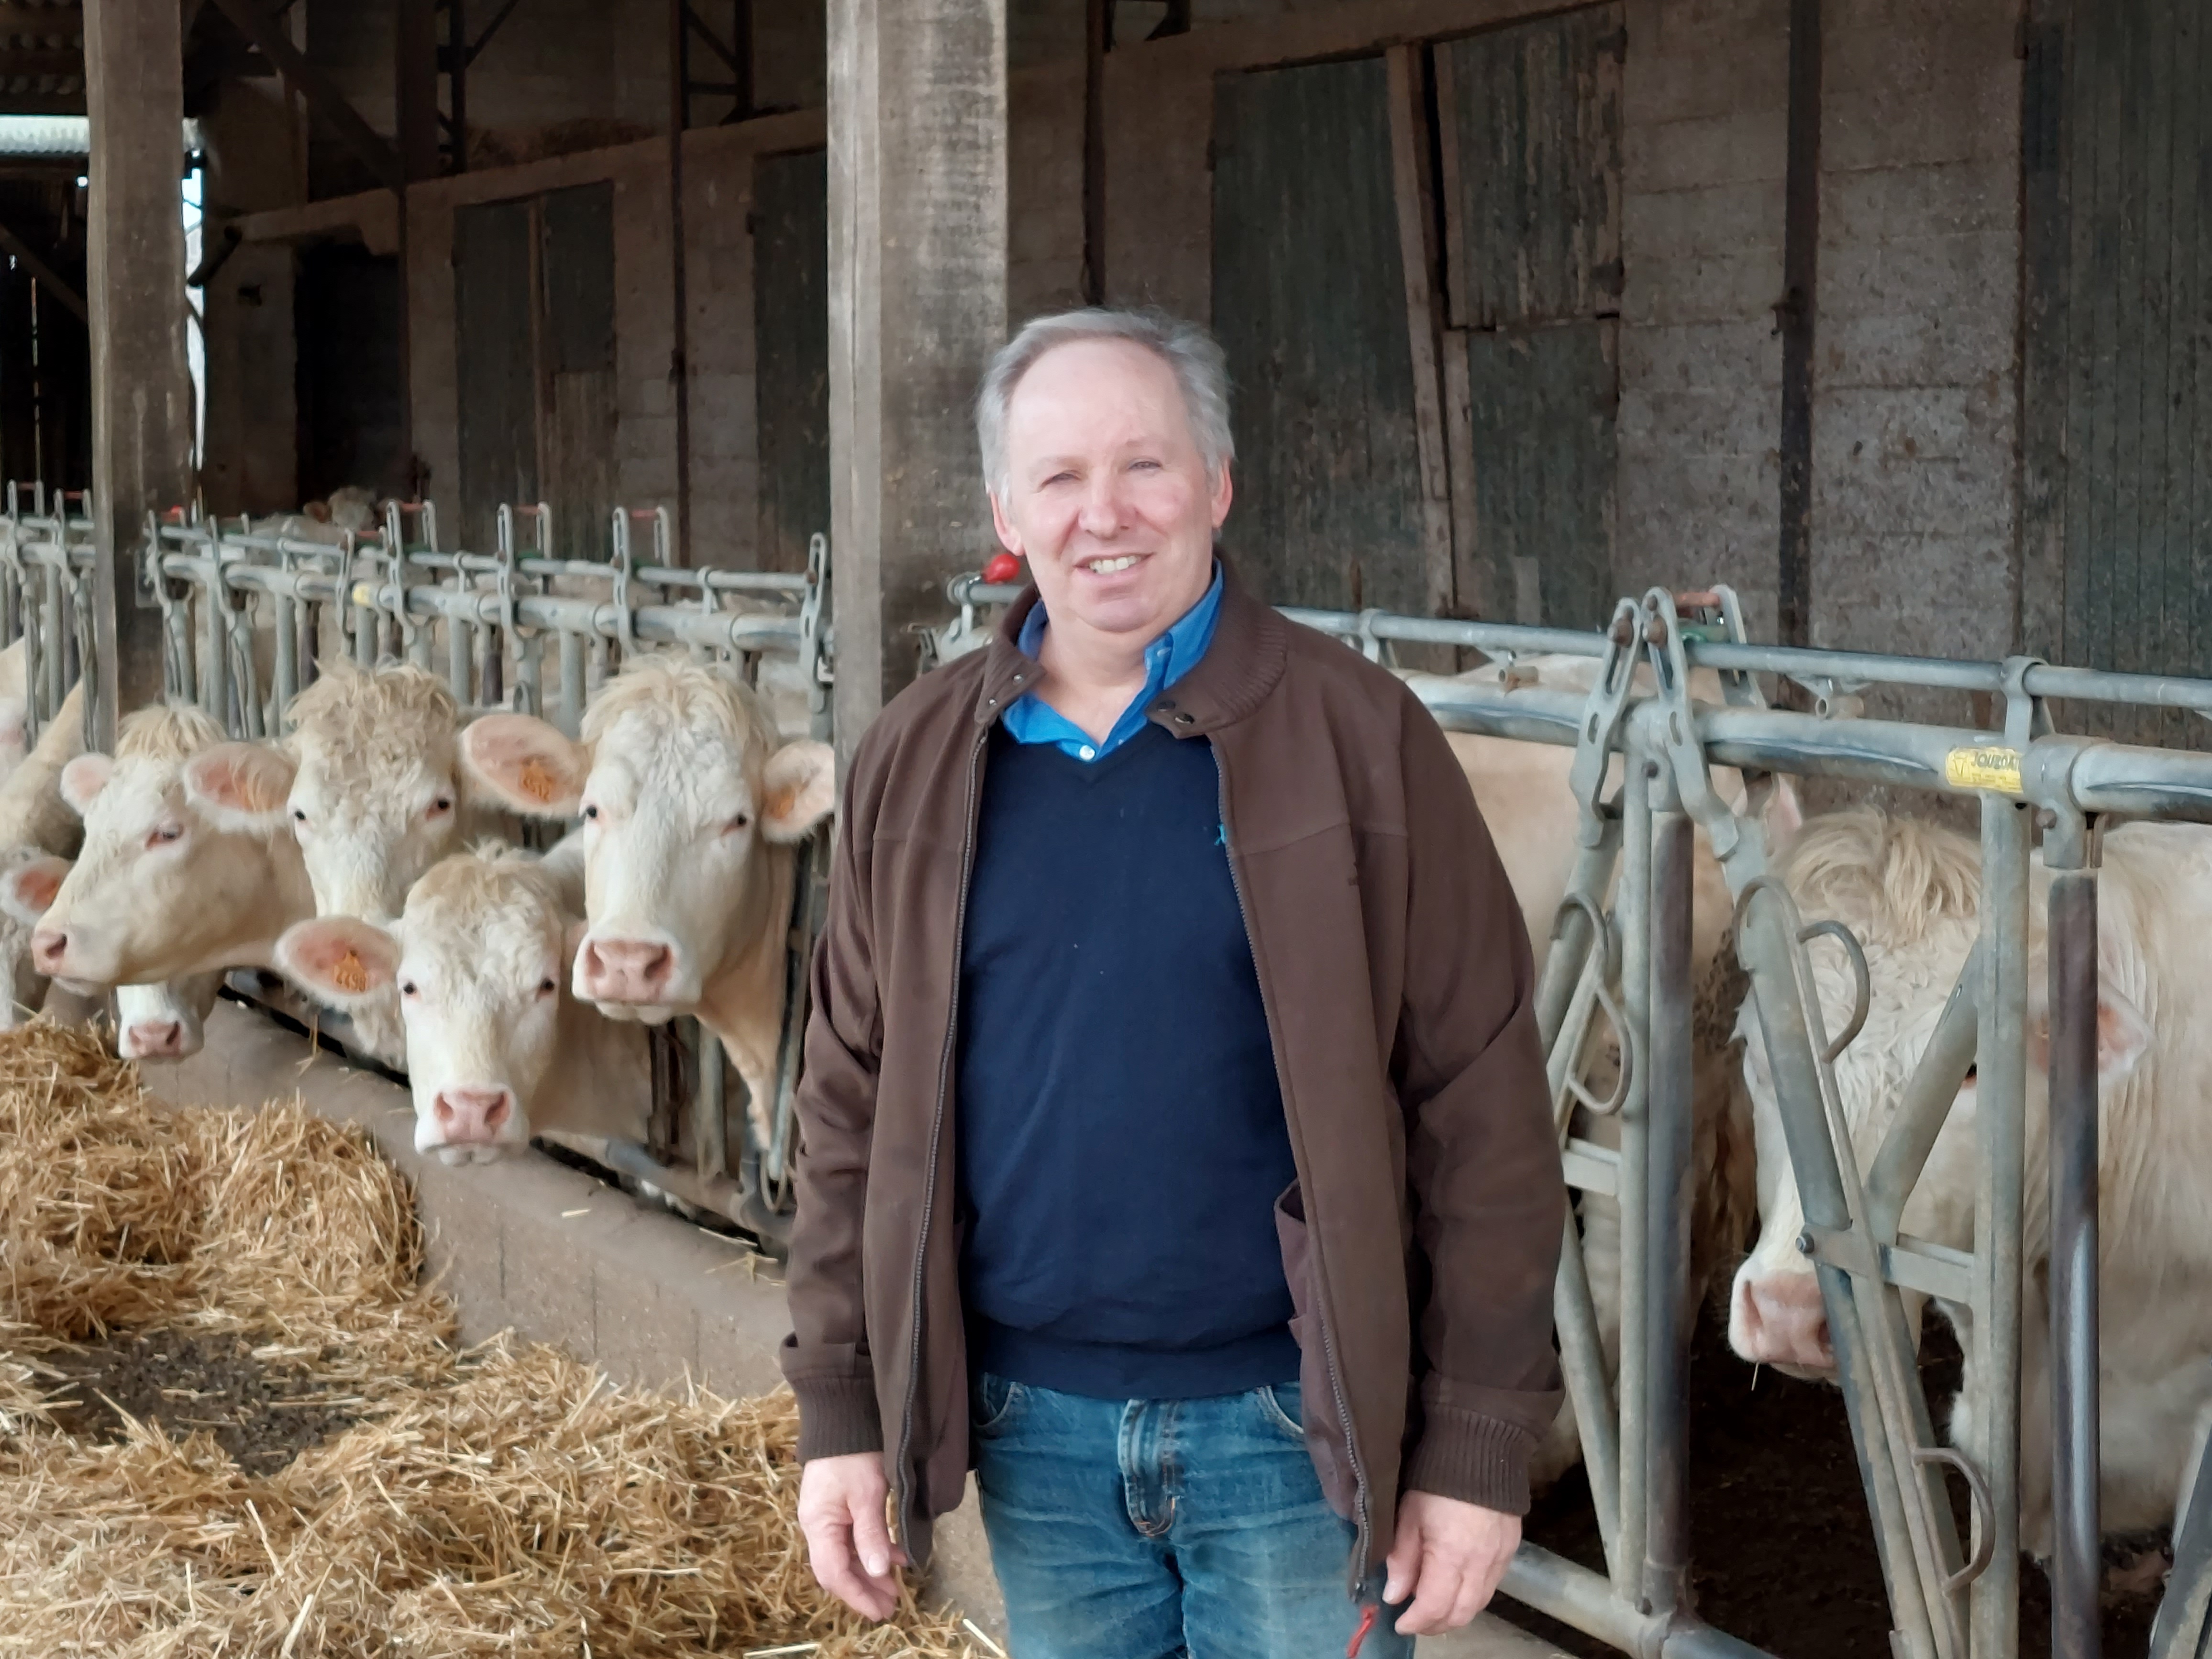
{"type": "Point", "coordinates": [1002, 568]}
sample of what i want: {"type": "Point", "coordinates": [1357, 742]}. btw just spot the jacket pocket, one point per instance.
{"type": "Point", "coordinates": [1327, 1442]}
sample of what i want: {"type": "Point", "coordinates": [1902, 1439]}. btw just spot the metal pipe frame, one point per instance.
{"type": "Point", "coordinates": [1670, 744]}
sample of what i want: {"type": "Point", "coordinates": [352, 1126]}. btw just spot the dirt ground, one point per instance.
{"type": "Point", "coordinates": [261, 1412]}
{"type": "Point", "coordinates": [1783, 1551]}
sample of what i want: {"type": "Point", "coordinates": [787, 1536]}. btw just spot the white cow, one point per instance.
{"type": "Point", "coordinates": [161, 888]}
{"type": "Point", "coordinates": [690, 810]}
{"type": "Point", "coordinates": [165, 1021]}
{"type": "Point", "coordinates": [498, 1049]}
{"type": "Point", "coordinates": [1912, 893]}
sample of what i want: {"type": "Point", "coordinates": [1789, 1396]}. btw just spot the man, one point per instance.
{"type": "Point", "coordinates": [1176, 1149]}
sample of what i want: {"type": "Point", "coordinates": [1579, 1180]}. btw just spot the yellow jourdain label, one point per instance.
{"type": "Point", "coordinates": [1984, 768]}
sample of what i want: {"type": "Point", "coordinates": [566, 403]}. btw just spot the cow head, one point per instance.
{"type": "Point", "coordinates": [26, 888]}
{"type": "Point", "coordinates": [479, 957]}
{"type": "Point", "coordinates": [165, 1021]}
{"type": "Point", "coordinates": [1911, 893]}
{"type": "Point", "coordinates": [368, 782]}
{"type": "Point", "coordinates": [685, 797]}
{"type": "Point", "coordinates": [161, 888]}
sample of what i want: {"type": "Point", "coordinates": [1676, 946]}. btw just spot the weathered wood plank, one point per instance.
{"type": "Point", "coordinates": [791, 354]}
{"type": "Point", "coordinates": [1415, 193]}
{"type": "Point", "coordinates": [495, 364]}
{"type": "Point", "coordinates": [1309, 304]}
{"type": "Point", "coordinates": [576, 365]}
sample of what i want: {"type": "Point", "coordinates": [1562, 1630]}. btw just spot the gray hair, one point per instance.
{"type": "Point", "coordinates": [1201, 370]}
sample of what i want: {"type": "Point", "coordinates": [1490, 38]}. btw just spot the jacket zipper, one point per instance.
{"type": "Point", "coordinates": [936, 1131]}
{"type": "Point", "coordinates": [1364, 1537]}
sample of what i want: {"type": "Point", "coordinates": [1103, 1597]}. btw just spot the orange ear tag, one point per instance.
{"type": "Point", "coordinates": [349, 974]}
{"type": "Point", "coordinates": [537, 780]}
{"type": "Point", "coordinates": [779, 802]}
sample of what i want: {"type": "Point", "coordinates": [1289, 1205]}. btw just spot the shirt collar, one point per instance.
{"type": "Point", "coordinates": [1169, 657]}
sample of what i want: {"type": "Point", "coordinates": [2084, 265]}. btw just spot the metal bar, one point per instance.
{"type": "Point", "coordinates": [1632, 909]}
{"type": "Point", "coordinates": [1671, 1179]}
{"type": "Point", "coordinates": [1781, 1002]}
{"type": "Point", "coordinates": [475, 48]}
{"type": "Point", "coordinates": [1924, 1106]}
{"type": "Point", "coordinates": [710, 1152]}
{"type": "Point", "coordinates": [2178, 1630]}
{"type": "Point", "coordinates": [2076, 1561]}
{"type": "Point", "coordinates": [572, 681]}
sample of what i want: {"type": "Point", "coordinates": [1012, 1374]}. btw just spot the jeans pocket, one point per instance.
{"type": "Point", "coordinates": [1282, 1410]}
{"type": "Point", "coordinates": [992, 1406]}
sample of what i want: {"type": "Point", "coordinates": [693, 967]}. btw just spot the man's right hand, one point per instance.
{"type": "Point", "coordinates": [848, 1543]}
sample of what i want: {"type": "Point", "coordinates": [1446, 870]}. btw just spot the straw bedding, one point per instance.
{"type": "Point", "coordinates": [503, 1500]}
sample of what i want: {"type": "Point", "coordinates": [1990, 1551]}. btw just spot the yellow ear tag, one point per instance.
{"type": "Point", "coordinates": [349, 974]}
{"type": "Point", "coordinates": [537, 780]}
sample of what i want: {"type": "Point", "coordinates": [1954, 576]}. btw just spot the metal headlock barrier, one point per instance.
{"type": "Point", "coordinates": [514, 629]}
{"type": "Point", "coordinates": [1623, 931]}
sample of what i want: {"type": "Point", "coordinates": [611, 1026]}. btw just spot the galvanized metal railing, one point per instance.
{"type": "Point", "coordinates": [512, 628]}
{"type": "Point", "coordinates": [1623, 936]}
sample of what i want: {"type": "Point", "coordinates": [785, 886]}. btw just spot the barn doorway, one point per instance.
{"type": "Point", "coordinates": [791, 352]}
{"type": "Point", "coordinates": [347, 386]}
{"type": "Point", "coordinates": [1362, 397]}
{"type": "Point", "coordinates": [534, 315]}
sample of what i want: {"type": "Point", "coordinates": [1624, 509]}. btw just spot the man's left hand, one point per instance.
{"type": "Point", "coordinates": [1447, 1558]}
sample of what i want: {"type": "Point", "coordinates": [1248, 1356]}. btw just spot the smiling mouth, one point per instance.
{"type": "Point", "coordinates": [1113, 564]}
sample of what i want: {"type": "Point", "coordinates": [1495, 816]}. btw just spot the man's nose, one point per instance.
{"type": "Point", "coordinates": [1101, 512]}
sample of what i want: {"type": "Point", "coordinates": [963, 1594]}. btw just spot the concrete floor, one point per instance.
{"type": "Point", "coordinates": [560, 1257]}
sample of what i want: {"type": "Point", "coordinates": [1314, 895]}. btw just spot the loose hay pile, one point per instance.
{"type": "Point", "coordinates": [503, 1500]}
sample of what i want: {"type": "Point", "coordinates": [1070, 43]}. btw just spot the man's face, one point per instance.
{"type": "Point", "coordinates": [1105, 493]}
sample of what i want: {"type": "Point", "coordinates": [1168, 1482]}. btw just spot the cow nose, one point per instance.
{"type": "Point", "coordinates": [49, 947]}
{"type": "Point", "coordinates": [472, 1116]}
{"type": "Point", "coordinates": [155, 1040]}
{"type": "Point", "coordinates": [626, 970]}
{"type": "Point", "coordinates": [1779, 1320]}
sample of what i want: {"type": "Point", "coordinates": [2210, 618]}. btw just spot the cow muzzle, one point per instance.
{"type": "Point", "coordinates": [639, 972]}
{"type": "Point", "coordinates": [155, 1039]}
{"type": "Point", "coordinates": [474, 1119]}
{"type": "Point", "coordinates": [1779, 1320]}
{"type": "Point", "coordinates": [50, 948]}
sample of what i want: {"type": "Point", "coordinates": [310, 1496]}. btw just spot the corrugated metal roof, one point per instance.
{"type": "Point", "coordinates": [45, 135]}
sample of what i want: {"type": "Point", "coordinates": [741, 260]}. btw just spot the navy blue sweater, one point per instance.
{"type": "Point", "coordinates": [1121, 1138]}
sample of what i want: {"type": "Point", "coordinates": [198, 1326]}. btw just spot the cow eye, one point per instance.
{"type": "Point", "coordinates": [298, 815]}
{"type": "Point", "coordinates": [165, 833]}
{"type": "Point", "coordinates": [443, 804]}
{"type": "Point", "coordinates": [407, 987]}
{"type": "Point", "coordinates": [546, 988]}
{"type": "Point", "coordinates": [591, 813]}
{"type": "Point", "coordinates": [743, 821]}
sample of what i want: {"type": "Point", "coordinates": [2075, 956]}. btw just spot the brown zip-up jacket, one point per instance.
{"type": "Point", "coordinates": [1422, 1237]}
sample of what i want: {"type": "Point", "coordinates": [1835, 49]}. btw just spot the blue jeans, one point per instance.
{"type": "Point", "coordinates": [1163, 1528]}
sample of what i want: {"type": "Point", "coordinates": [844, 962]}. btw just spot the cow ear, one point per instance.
{"type": "Point", "coordinates": [340, 960]}
{"type": "Point", "coordinates": [525, 765]}
{"type": "Point", "coordinates": [240, 785]}
{"type": "Point", "coordinates": [28, 893]}
{"type": "Point", "coordinates": [82, 780]}
{"type": "Point", "coordinates": [799, 786]}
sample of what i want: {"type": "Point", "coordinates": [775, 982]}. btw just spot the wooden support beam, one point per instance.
{"type": "Point", "coordinates": [1414, 185]}
{"type": "Point", "coordinates": [317, 88]}
{"type": "Point", "coordinates": [917, 304]}
{"type": "Point", "coordinates": [43, 103]}
{"type": "Point", "coordinates": [141, 394]}
{"type": "Point", "coordinates": [44, 274]}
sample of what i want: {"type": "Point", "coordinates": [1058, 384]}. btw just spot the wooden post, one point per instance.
{"type": "Point", "coordinates": [917, 303]}
{"type": "Point", "coordinates": [142, 396]}
{"type": "Point", "coordinates": [1415, 191]}
{"type": "Point", "coordinates": [415, 96]}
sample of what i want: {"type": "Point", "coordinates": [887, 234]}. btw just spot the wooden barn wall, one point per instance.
{"type": "Point", "coordinates": [2117, 419]}
{"type": "Point", "coordinates": [1309, 304]}
{"type": "Point", "coordinates": [791, 332]}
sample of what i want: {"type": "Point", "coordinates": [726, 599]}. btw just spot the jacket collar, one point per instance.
{"type": "Point", "coordinates": [1239, 669]}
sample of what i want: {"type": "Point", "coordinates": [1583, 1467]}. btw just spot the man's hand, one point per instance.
{"type": "Point", "coordinates": [1449, 1556]}
{"type": "Point", "coordinates": [841, 1511]}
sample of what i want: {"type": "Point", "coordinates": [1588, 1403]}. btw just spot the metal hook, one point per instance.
{"type": "Point", "coordinates": [1862, 984]}
{"type": "Point", "coordinates": [1984, 1507]}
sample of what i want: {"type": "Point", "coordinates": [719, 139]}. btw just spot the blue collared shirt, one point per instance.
{"type": "Point", "coordinates": [1029, 719]}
